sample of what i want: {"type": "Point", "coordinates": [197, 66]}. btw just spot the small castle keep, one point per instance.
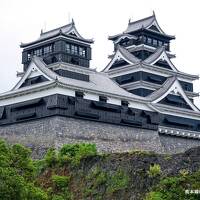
{"type": "Point", "coordinates": [140, 100]}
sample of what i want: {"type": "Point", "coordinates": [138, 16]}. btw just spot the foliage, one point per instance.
{"type": "Point", "coordinates": [35, 193]}
{"type": "Point", "coordinates": [95, 178]}
{"type": "Point", "coordinates": [60, 182]}
{"type": "Point", "coordinates": [21, 161]}
{"type": "Point", "coordinates": [12, 185]}
{"type": "Point", "coordinates": [56, 178]}
{"type": "Point", "coordinates": [117, 181]}
{"type": "Point", "coordinates": [175, 188]}
{"type": "Point", "coordinates": [51, 157]}
{"type": "Point", "coordinates": [98, 179]}
{"type": "Point", "coordinates": [57, 197]}
{"type": "Point", "coordinates": [154, 170]}
{"type": "Point", "coordinates": [154, 196]}
{"type": "Point", "coordinates": [73, 153]}
{"type": "Point", "coordinates": [17, 173]}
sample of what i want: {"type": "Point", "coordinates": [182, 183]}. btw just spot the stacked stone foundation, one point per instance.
{"type": "Point", "coordinates": [55, 131]}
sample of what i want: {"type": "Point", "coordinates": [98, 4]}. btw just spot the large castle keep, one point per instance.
{"type": "Point", "coordinates": [139, 101]}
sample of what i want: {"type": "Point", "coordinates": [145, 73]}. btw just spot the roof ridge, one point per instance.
{"type": "Point", "coordinates": [55, 29]}
{"type": "Point", "coordinates": [50, 73]}
{"type": "Point", "coordinates": [121, 49]}
{"type": "Point", "coordinates": [159, 50]}
{"type": "Point", "coordinates": [170, 80]}
{"type": "Point", "coordinates": [152, 16]}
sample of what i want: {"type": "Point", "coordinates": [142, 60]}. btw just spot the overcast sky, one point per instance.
{"type": "Point", "coordinates": [22, 21]}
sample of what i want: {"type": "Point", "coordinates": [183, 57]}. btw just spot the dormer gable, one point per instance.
{"type": "Point", "coordinates": [173, 93]}
{"type": "Point", "coordinates": [154, 28]}
{"type": "Point", "coordinates": [36, 73]}
{"type": "Point", "coordinates": [122, 56]}
{"type": "Point", "coordinates": [160, 59]}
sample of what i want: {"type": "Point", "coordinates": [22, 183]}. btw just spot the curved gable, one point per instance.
{"type": "Point", "coordinates": [174, 89]}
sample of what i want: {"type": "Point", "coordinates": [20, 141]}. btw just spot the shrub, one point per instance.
{"type": "Point", "coordinates": [35, 193]}
{"type": "Point", "coordinates": [12, 185]}
{"type": "Point", "coordinates": [51, 157]}
{"type": "Point", "coordinates": [57, 197]}
{"type": "Point", "coordinates": [94, 179]}
{"type": "Point", "coordinates": [154, 170]}
{"type": "Point", "coordinates": [75, 152]}
{"type": "Point", "coordinates": [61, 182]}
{"type": "Point", "coordinates": [154, 196]}
{"type": "Point", "coordinates": [21, 161]}
{"type": "Point", "coordinates": [175, 187]}
{"type": "Point", "coordinates": [40, 166]}
{"type": "Point", "coordinates": [5, 154]}
{"type": "Point", "coordinates": [118, 181]}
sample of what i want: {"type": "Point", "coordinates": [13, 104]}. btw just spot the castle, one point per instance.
{"type": "Point", "coordinates": [140, 100]}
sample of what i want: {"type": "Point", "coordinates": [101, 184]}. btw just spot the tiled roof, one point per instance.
{"type": "Point", "coordinates": [146, 23]}
{"type": "Point", "coordinates": [42, 66]}
{"type": "Point", "coordinates": [170, 84]}
{"type": "Point", "coordinates": [155, 55]}
{"type": "Point", "coordinates": [142, 23]}
{"type": "Point", "coordinates": [163, 89]}
{"type": "Point", "coordinates": [128, 55]}
{"type": "Point", "coordinates": [63, 30]}
{"type": "Point", "coordinates": [115, 37]}
{"type": "Point", "coordinates": [98, 81]}
{"type": "Point", "coordinates": [124, 54]}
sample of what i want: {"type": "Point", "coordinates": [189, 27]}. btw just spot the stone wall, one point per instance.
{"type": "Point", "coordinates": [174, 144]}
{"type": "Point", "coordinates": [56, 131]}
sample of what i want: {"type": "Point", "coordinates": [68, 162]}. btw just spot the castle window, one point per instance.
{"type": "Point", "coordinates": [154, 42]}
{"type": "Point", "coordinates": [67, 48]}
{"type": "Point", "coordinates": [160, 43]}
{"type": "Point", "coordinates": [149, 40]}
{"type": "Point", "coordinates": [82, 51]}
{"type": "Point", "coordinates": [74, 49]}
{"type": "Point", "coordinates": [37, 52]}
{"type": "Point", "coordinates": [103, 99]}
{"type": "Point", "coordinates": [145, 39]}
{"type": "Point", "coordinates": [48, 49]}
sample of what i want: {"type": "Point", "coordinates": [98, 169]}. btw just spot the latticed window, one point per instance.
{"type": "Point", "coordinates": [145, 39]}
{"type": "Point", "coordinates": [149, 40]}
{"type": "Point", "coordinates": [160, 43]}
{"type": "Point", "coordinates": [67, 48]}
{"type": "Point", "coordinates": [74, 49]}
{"type": "Point", "coordinates": [82, 52]}
{"type": "Point", "coordinates": [154, 42]}
{"type": "Point", "coordinates": [38, 52]}
{"type": "Point", "coordinates": [48, 49]}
